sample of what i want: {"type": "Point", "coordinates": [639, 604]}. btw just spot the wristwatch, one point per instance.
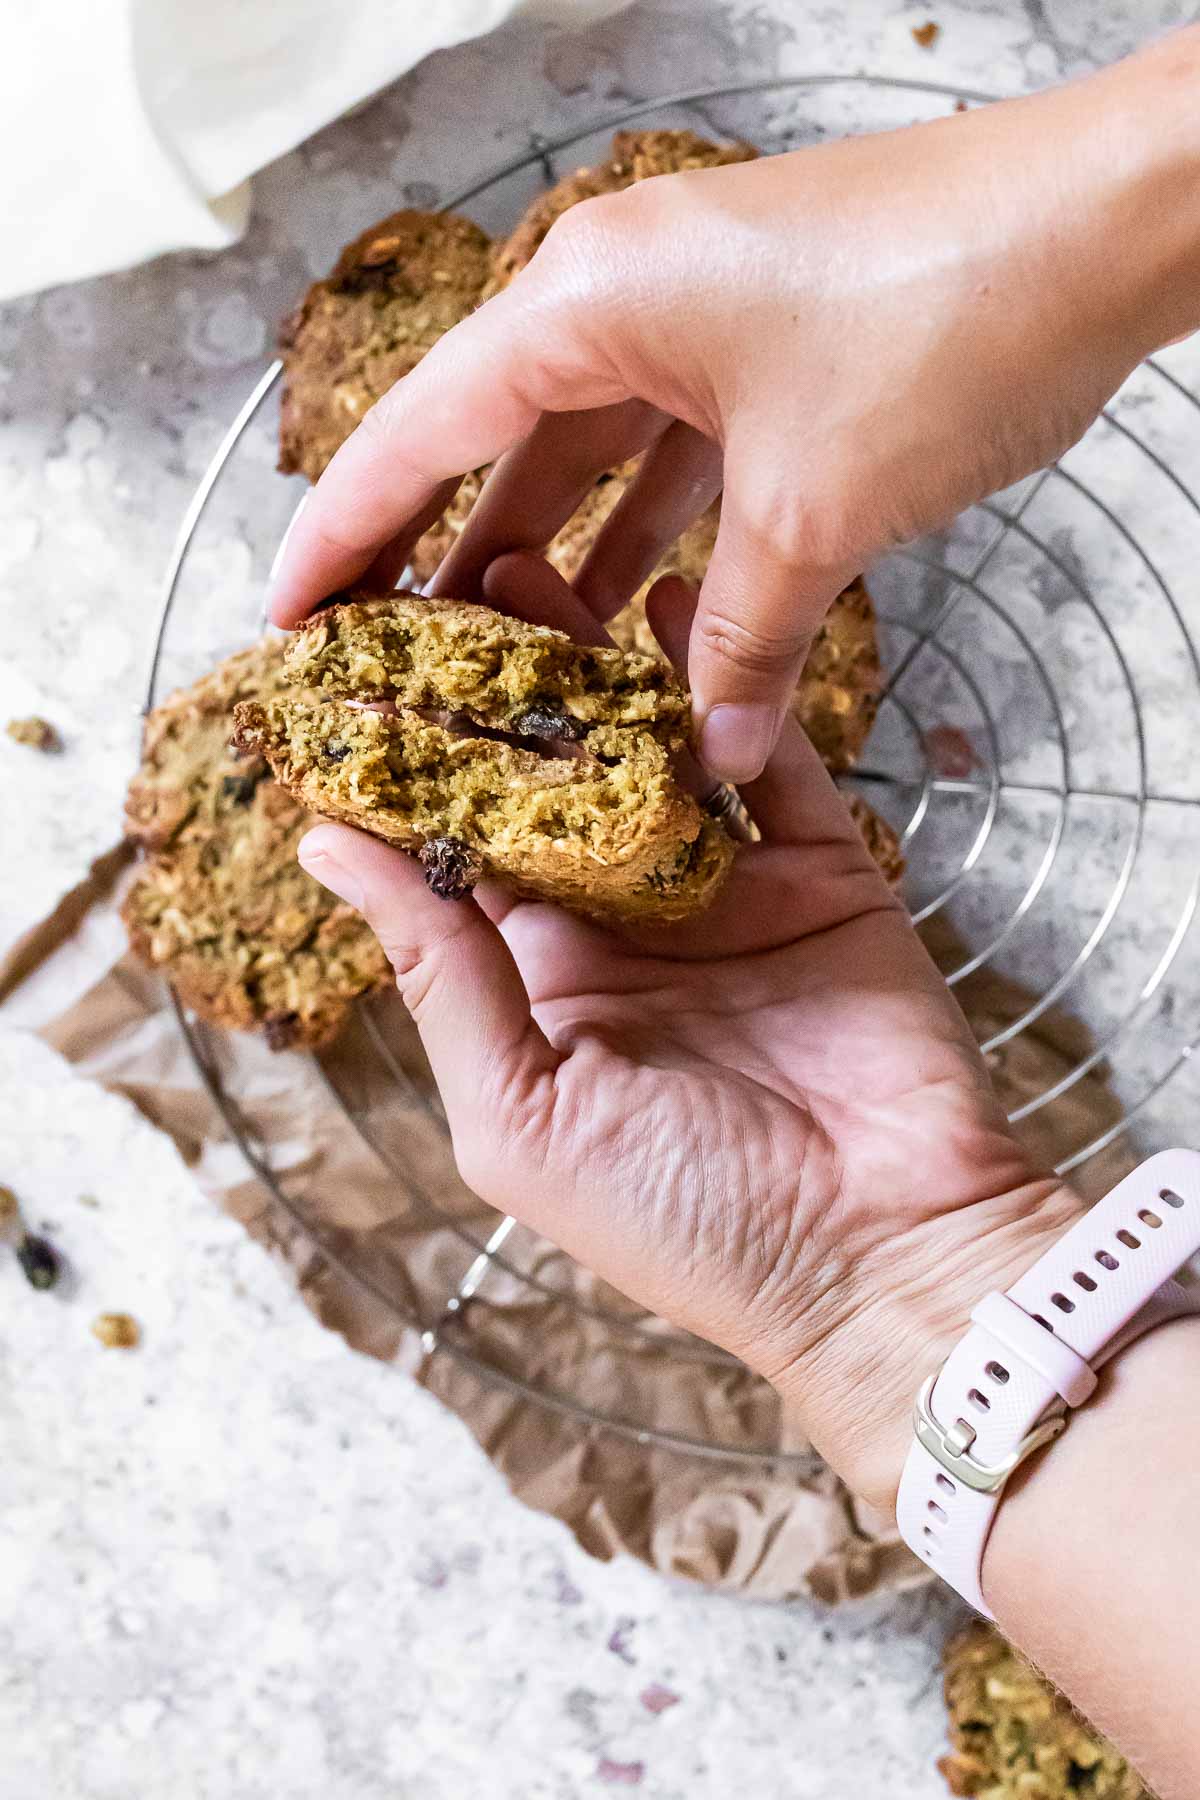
{"type": "Point", "coordinates": [1031, 1355]}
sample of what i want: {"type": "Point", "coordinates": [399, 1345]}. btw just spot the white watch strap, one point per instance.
{"type": "Point", "coordinates": [1032, 1353]}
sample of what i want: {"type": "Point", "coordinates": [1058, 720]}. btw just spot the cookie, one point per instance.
{"type": "Point", "coordinates": [880, 839]}
{"type": "Point", "coordinates": [508, 747]}
{"type": "Point", "coordinates": [392, 294]}
{"type": "Point", "coordinates": [837, 697]}
{"type": "Point", "coordinates": [636, 156]}
{"type": "Point", "coordinates": [220, 905]}
{"type": "Point", "coordinates": [1014, 1737]}
{"type": "Point", "coordinates": [495, 669]}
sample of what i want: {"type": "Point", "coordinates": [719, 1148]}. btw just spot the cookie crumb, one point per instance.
{"type": "Point", "coordinates": [926, 35]}
{"type": "Point", "coordinates": [1013, 1737]}
{"type": "Point", "coordinates": [451, 867]}
{"type": "Point", "coordinates": [117, 1331]}
{"type": "Point", "coordinates": [39, 1260]}
{"type": "Point", "coordinates": [38, 734]}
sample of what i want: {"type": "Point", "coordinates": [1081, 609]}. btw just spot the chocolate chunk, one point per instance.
{"type": "Point", "coordinates": [336, 752]}
{"type": "Point", "coordinates": [546, 722]}
{"type": "Point", "coordinates": [451, 867]}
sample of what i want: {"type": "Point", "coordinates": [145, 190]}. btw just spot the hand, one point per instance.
{"type": "Point", "coordinates": [771, 1125]}
{"type": "Point", "coordinates": [855, 341]}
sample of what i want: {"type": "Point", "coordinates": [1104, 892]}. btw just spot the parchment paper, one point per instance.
{"type": "Point", "coordinates": [378, 1231]}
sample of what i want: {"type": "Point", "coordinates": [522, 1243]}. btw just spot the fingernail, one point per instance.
{"type": "Point", "coordinates": [735, 741]}
{"type": "Point", "coordinates": [283, 542]}
{"type": "Point", "coordinates": [318, 863]}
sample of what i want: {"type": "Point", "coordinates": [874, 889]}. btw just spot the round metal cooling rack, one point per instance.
{"type": "Point", "coordinates": [1032, 751]}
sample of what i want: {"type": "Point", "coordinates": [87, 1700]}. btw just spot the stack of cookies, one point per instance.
{"type": "Point", "coordinates": [220, 904]}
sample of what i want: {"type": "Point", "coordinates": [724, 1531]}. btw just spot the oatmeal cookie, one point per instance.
{"type": "Point", "coordinates": [636, 156]}
{"type": "Point", "coordinates": [392, 294]}
{"type": "Point", "coordinates": [837, 697]}
{"type": "Point", "coordinates": [879, 838]}
{"type": "Point", "coordinates": [472, 660]}
{"type": "Point", "coordinates": [1014, 1737]}
{"type": "Point", "coordinates": [546, 763]}
{"type": "Point", "coordinates": [220, 905]}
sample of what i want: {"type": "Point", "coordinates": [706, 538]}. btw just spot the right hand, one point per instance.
{"type": "Point", "coordinates": [853, 341]}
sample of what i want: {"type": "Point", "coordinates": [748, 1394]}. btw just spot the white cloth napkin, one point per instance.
{"type": "Point", "coordinates": [130, 127]}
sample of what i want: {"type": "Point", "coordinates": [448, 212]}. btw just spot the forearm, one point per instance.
{"type": "Point", "coordinates": [1093, 1566]}
{"type": "Point", "coordinates": [1135, 128]}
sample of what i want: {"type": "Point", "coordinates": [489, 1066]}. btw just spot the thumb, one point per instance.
{"type": "Point", "coordinates": [457, 977]}
{"type": "Point", "coordinates": [760, 604]}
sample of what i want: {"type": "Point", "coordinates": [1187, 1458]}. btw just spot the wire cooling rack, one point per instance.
{"type": "Point", "coordinates": [1034, 749]}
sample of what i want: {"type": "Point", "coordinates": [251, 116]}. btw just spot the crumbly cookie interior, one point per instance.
{"type": "Point", "coordinates": [424, 653]}
{"type": "Point", "coordinates": [601, 823]}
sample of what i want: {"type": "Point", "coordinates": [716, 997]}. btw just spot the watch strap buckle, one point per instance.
{"type": "Point", "coordinates": [951, 1446]}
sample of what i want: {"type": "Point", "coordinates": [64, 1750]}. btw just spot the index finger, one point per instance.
{"type": "Point", "coordinates": [476, 393]}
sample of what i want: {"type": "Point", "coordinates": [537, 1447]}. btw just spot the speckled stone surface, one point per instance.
{"type": "Point", "coordinates": [238, 1561]}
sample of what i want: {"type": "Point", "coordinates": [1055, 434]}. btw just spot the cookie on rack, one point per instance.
{"type": "Point", "coordinates": [1013, 1737]}
{"type": "Point", "coordinates": [391, 295]}
{"type": "Point", "coordinates": [880, 839]}
{"type": "Point", "coordinates": [219, 904]}
{"type": "Point", "coordinates": [485, 744]}
{"type": "Point", "coordinates": [635, 156]}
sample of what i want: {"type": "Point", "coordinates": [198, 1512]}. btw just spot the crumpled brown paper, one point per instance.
{"type": "Point", "coordinates": [380, 1234]}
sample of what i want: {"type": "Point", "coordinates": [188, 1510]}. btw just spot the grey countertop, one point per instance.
{"type": "Point", "coordinates": [241, 1561]}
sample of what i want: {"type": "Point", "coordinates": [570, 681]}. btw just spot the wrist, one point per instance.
{"type": "Point", "coordinates": [896, 1320]}
{"type": "Point", "coordinates": [1089, 1566]}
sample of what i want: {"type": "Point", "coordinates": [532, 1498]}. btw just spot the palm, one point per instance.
{"type": "Point", "coordinates": [759, 1125]}
{"type": "Point", "coordinates": [787, 1072]}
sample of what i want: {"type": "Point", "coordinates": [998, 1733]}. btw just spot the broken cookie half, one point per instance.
{"type": "Point", "coordinates": [486, 745]}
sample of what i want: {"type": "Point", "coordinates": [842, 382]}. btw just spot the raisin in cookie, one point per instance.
{"type": "Point", "coordinates": [392, 294]}
{"type": "Point", "coordinates": [220, 905]}
{"type": "Point", "coordinates": [509, 747]}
